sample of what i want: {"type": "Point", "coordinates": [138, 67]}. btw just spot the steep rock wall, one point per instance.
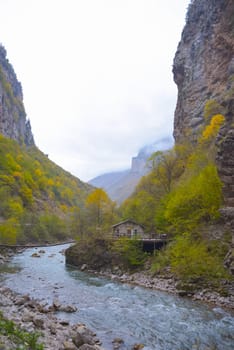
{"type": "Point", "coordinates": [203, 70]}
{"type": "Point", "coordinates": [13, 122]}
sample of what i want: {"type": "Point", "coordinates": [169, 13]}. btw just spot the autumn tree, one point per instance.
{"type": "Point", "coordinates": [100, 211]}
{"type": "Point", "coordinates": [169, 165]}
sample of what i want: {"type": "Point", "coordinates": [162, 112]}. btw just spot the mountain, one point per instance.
{"type": "Point", "coordinates": [13, 122]}
{"type": "Point", "coordinates": [204, 73]}
{"type": "Point", "coordinates": [38, 199]}
{"type": "Point", "coordinates": [121, 184]}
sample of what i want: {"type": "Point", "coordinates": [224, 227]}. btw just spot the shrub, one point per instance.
{"type": "Point", "coordinates": [191, 260]}
{"type": "Point", "coordinates": [129, 251]}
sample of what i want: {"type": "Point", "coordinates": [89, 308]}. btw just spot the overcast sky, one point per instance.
{"type": "Point", "coordinates": [96, 75]}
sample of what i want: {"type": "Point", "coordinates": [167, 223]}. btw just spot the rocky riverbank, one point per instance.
{"type": "Point", "coordinates": [167, 283]}
{"type": "Point", "coordinates": [33, 316]}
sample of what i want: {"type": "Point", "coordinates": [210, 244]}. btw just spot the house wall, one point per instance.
{"type": "Point", "coordinates": [128, 230]}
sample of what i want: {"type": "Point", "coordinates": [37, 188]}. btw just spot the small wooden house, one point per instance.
{"type": "Point", "coordinates": [128, 228]}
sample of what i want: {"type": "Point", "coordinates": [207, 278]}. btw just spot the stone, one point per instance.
{"type": "Point", "coordinates": [88, 347]}
{"type": "Point", "coordinates": [182, 293]}
{"type": "Point", "coordinates": [78, 339]}
{"type": "Point", "coordinates": [56, 304]}
{"type": "Point", "coordinates": [118, 340]}
{"type": "Point", "coordinates": [38, 321]}
{"type": "Point", "coordinates": [62, 307]}
{"type": "Point", "coordinates": [27, 316]}
{"type": "Point", "coordinates": [137, 347]}
{"type": "Point", "coordinates": [35, 255]}
{"type": "Point", "coordinates": [53, 328]}
{"type": "Point", "coordinates": [22, 300]}
{"type": "Point", "coordinates": [67, 345]}
{"type": "Point", "coordinates": [68, 308]}
{"type": "Point", "coordinates": [117, 343]}
{"type": "Point", "coordinates": [84, 267]}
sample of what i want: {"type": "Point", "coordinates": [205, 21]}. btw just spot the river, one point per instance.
{"type": "Point", "coordinates": [137, 315]}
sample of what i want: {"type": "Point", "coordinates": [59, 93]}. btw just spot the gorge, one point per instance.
{"type": "Point", "coordinates": [189, 194]}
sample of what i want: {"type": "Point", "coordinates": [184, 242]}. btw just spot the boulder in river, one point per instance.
{"type": "Point", "coordinates": [35, 255]}
{"type": "Point", "coordinates": [57, 306]}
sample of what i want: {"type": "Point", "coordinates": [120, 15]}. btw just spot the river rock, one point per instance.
{"type": "Point", "coordinates": [182, 293]}
{"type": "Point", "coordinates": [117, 343]}
{"type": "Point", "coordinates": [68, 345]}
{"type": "Point", "coordinates": [89, 347]}
{"type": "Point", "coordinates": [84, 267]}
{"type": "Point", "coordinates": [88, 337]}
{"type": "Point", "coordinates": [57, 306]}
{"type": "Point", "coordinates": [35, 255]}
{"type": "Point", "coordinates": [78, 339]}
{"type": "Point", "coordinates": [68, 308]}
{"type": "Point", "coordinates": [27, 316]}
{"type": "Point", "coordinates": [64, 322]}
{"type": "Point", "coordinates": [53, 328]}
{"type": "Point", "coordinates": [38, 321]}
{"type": "Point", "coordinates": [137, 347]}
{"type": "Point", "coordinates": [21, 300]}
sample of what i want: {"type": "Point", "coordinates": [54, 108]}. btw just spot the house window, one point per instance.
{"type": "Point", "coordinates": [135, 232]}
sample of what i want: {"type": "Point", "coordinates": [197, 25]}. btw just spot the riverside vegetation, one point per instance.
{"type": "Point", "coordinates": [181, 196]}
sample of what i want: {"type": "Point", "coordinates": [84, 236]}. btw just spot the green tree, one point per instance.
{"type": "Point", "coordinates": [197, 199]}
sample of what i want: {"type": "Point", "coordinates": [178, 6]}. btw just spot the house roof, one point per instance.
{"type": "Point", "coordinates": [127, 221]}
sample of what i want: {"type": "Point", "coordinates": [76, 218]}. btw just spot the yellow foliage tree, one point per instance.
{"type": "Point", "coordinates": [100, 209]}
{"type": "Point", "coordinates": [212, 129]}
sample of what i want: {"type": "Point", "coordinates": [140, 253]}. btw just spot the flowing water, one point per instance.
{"type": "Point", "coordinates": [137, 315]}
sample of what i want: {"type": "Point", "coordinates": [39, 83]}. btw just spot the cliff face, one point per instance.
{"type": "Point", "coordinates": [204, 70]}
{"type": "Point", "coordinates": [13, 122]}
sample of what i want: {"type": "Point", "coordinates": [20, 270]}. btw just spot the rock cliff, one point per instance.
{"type": "Point", "coordinates": [13, 122]}
{"type": "Point", "coordinates": [203, 70]}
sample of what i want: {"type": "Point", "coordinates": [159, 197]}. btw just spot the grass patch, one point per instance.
{"type": "Point", "coordinates": [22, 339]}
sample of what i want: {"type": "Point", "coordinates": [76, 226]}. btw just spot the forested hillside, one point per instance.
{"type": "Point", "coordinates": [39, 201]}
{"type": "Point", "coordinates": [38, 198]}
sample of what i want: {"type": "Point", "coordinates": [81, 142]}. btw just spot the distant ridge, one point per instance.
{"type": "Point", "coordinates": [121, 184]}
